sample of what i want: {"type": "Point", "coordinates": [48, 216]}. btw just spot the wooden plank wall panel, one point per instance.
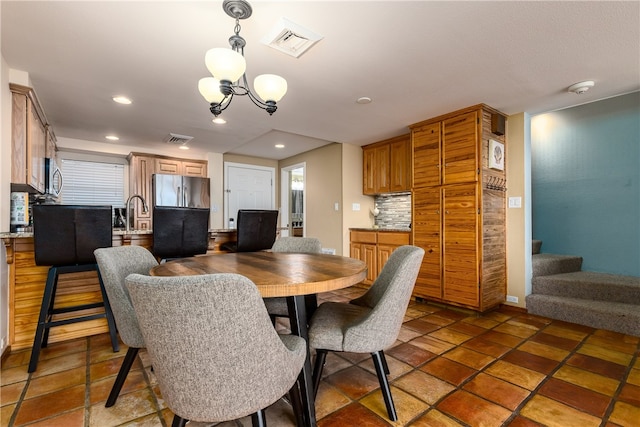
{"type": "Point", "coordinates": [27, 282]}
{"type": "Point", "coordinates": [494, 256]}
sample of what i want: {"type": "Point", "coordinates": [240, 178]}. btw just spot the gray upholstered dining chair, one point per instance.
{"type": "Point", "coordinates": [114, 264]}
{"type": "Point", "coordinates": [214, 351]}
{"type": "Point", "coordinates": [277, 307]}
{"type": "Point", "coordinates": [371, 323]}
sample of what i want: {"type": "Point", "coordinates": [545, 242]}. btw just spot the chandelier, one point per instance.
{"type": "Point", "coordinates": [228, 69]}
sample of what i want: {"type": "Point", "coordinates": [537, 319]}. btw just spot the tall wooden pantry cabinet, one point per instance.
{"type": "Point", "coordinates": [459, 207]}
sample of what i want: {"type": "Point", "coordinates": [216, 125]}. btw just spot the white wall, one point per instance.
{"type": "Point", "coordinates": [518, 166]}
{"type": "Point", "coordinates": [352, 193]}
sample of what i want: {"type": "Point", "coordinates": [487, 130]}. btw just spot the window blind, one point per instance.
{"type": "Point", "coordinates": [92, 183]}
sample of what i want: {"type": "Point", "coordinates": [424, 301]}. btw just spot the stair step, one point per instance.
{"type": "Point", "coordinates": [535, 246]}
{"type": "Point", "coordinates": [612, 316]}
{"type": "Point", "coordinates": [547, 264]}
{"type": "Point", "coordinates": [590, 285]}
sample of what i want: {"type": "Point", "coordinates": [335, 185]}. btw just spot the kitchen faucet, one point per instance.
{"type": "Point", "coordinates": [145, 209]}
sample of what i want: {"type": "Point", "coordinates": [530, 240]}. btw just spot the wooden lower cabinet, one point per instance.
{"type": "Point", "coordinates": [427, 234]}
{"type": "Point", "coordinates": [374, 248]}
{"type": "Point", "coordinates": [463, 264]}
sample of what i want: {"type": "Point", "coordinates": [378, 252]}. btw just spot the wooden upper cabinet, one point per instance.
{"type": "Point", "coordinates": [368, 170]}
{"type": "Point", "coordinates": [168, 166]}
{"type": "Point", "coordinates": [194, 168]}
{"type": "Point", "coordinates": [460, 148]}
{"type": "Point", "coordinates": [387, 166]}
{"type": "Point", "coordinates": [28, 134]}
{"type": "Point", "coordinates": [400, 164]}
{"type": "Point", "coordinates": [426, 142]}
{"type": "Point", "coordinates": [180, 167]}
{"type": "Point", "coordinates": [51, 150]}
{"type": "Point", "coordinates": [381, 168]}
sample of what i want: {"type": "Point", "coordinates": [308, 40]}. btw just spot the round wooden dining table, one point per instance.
{"type": "Point", "coordinates": [278, 274]}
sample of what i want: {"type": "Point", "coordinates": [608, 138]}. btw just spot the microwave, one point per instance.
{"type": "Point", "coordinates": [52, 178]}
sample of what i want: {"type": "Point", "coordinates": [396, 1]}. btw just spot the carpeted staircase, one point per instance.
{"type": "Point", "coordinates": [560, 290]}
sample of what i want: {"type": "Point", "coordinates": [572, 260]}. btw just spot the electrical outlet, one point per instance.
{"type": "Point", "coordinates": [511, 298]}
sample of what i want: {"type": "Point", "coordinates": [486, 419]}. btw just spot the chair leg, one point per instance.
{"type": "Point", "coordinates": [384, 363]}
{"type": "Point", "coordinates": [129, 358]}
{"type": "Point", "coordinates": [47, 302]}
{"type": "Point", "coordinates": [384, 385]}
{"type": "Point", "coordinates": [321, 357]}
{"type": "Point", "coordinates": [178, 421]}
{"type": "Point", "coordinates": [296, 404]}
{"type": "Point", "coordinates": [52, 301]}
{"type": "Point", "coordinates": [258, 419]}
{"type": "Point", "coordinates": [115, 345]}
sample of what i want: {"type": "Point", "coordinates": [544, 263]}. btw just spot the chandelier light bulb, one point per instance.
{"type": "Point", "coordinates": [225, 64]}
{"type": "Point", "coordinates": [270, 87]}
{"type": "Point", "coordinates": [209, 88]}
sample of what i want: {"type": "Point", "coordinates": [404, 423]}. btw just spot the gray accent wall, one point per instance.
{"type": "Point", "coordinates": [585, 168]}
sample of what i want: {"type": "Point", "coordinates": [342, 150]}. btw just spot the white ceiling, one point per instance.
{"type": "Point", "coordinates": [415, 59]}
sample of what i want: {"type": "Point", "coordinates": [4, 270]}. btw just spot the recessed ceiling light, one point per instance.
{"type": "Point", "coordinates": [183, 147]}
{"type": "Point", "coordinates": [219, 121]}
{"type": "Point", "coordinates": [112, 138]}
{"type": "Point", "coordinates": [364, 100]}
{"type": "Point", "coordinates": [122, 100]}
{"type": "Point", "coordinates": [279, 145]}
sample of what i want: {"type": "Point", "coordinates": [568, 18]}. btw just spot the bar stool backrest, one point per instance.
{"type": "Point", "coordinates": [68, 234]}
{"type": "Point", "coordinates": [256, 229]}
{"type": "Point", "coordinates": [180, 232]}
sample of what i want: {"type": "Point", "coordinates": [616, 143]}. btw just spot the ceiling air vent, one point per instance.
{"type": "Point", "coordinates": [291, 38]}
{"type": "Point", "coordinates": [174, 138]}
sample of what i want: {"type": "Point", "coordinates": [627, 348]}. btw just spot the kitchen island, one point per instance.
{"type": "Point", "coordinates": [27, 280]}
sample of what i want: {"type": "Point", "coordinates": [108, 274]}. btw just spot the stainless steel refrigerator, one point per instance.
{"type": "Point", "coordinates": [180, 191]}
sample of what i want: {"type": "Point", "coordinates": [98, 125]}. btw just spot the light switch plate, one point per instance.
{"type": "Point", "coordinates": [355, 206]}
{"type": "Point", "coordinates": [515, 202]}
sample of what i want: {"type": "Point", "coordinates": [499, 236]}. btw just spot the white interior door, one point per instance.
{"type": "Point", "coordinates": [247, 187]}
{"type": "Point", "coordinates": [285, 196]}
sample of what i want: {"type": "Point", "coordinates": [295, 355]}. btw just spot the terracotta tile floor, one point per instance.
{"type": "Point", "coordinates": [448, 368]}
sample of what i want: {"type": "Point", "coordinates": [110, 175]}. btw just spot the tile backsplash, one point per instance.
{"type": "Point", "coordinates": [395, 210]}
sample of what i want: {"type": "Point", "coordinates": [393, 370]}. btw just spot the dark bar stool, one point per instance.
{"type": "Point", "coordinates": [257, 231]}
{"type": "Point", "coordinates": [180, 232]}
{"type": "Point", "coordinates": [65, 237]}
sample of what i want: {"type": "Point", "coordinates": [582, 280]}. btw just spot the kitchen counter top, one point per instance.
{"type": "Point", "coordinates": [405, 230]}
{"type": "Point", "coordinates": [116, 232]}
